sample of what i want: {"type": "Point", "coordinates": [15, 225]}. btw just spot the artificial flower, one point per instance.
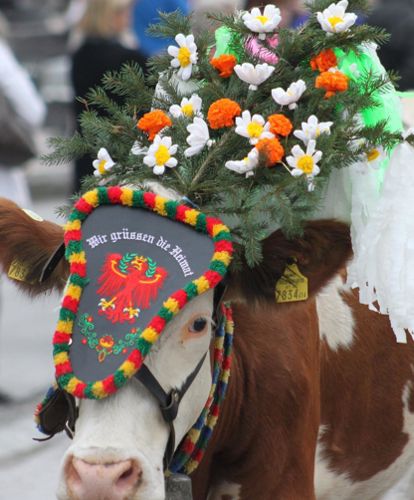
{"type": "Point", "coordinates": [199, 137]}
{"type": "Point", "coordinates": [257, 49]}
{"type": "Point", "coordinates": [184, 56]}
{"type": "Point", "coordinates": [334, 19]}
{"type": "Point", "coordinates": [324, 61]}
{"type": "Point", "coordinates": [290, 96]}
{"type": "Point", "coordinates": [280, 125]}
{"type": "Point", "coordinates": [103, 163]}
{"type": "Point", "coordinates": [222, 113]}
{"type": "Point", "coordinates": [188, 107]}
{"type": "Point", "coordinates": [138, 149]}
{"type": "Point", "coordinates": [305, 162]}
{"type": "Point", "coordinates": [245, 166]}
{"type": "Point", "coordinates": [253, 127]}
{"type": "Point", "coordinates": [332, 81]}
{"type": "Point", "coordinates": [224, 64]}
{"type": "Point", "coordinates": [153, 122]}
{"type": "Point", "coordinates": [375, 157]}
{"type": "Point", "coordinates": [312, 129]}
{"type": "Point", "coordinates": [254, 75]}
{"type": "Point", "coordinates": [271, 149]}
{"type": "Point", "coordinates": [160, 155]}
{"type": "Point", "coordinates": [262, 23]}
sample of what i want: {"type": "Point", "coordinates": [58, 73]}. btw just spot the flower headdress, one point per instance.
{"type": "Point", "coordinates": [252, 141]}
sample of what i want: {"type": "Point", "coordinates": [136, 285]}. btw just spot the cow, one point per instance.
{"type": "Point", "coordinates": [320, 401]}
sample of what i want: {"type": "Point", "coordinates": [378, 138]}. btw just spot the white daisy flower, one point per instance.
{"type": "Point", "coordinates": [199, 137]}
{"type": "Point", "coordinates": [188, 107]}
{"type": "Point", "coordinates": [312, 129]}
{"type": "Point", "coordinates": [245, 166]}
{"type": "Point", "coordinates": [290, 96]}
{"type": "Point", "coordinates": [375, 157]}
{"type": "Point", "coordinates": [254, 75]}
{"type": "Point", "coordinates": [262, 23]}
{"type": "Point", "coordinates": [184, 56]}
{"type": "Point", "coordinates": [160, 155]}
{"type": "Point", "coordinates": [103, 163]}
{"type": "Point", "coordinates": [253, 127]}
{"type": "Point", "coordinates": [305, 163]}
{"type": "Point", "coordinates": [334, 19]}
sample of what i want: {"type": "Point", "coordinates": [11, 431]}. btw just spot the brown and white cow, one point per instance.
{"type": "Point", "coordinates": [320, 401]}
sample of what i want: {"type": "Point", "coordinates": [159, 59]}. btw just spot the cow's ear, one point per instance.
{"type": "Point", "coordinates": [320, 253]}
{"type": "Point", "coordinates": [26, 244]}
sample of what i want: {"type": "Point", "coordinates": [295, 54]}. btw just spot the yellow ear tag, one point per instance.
{"type": "Point", "coordinates": [292, 286]}
{"type": "Point", "coordinates": [18, 271]}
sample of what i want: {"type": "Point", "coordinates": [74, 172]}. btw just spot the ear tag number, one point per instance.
{"type": "Point", "coordinates": [18, 271]}
{"type": "Point", "coordinates": [292, 286]}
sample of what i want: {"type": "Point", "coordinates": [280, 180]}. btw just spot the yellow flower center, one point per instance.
{"type": "Point", "coordinates": [305, 163]}
{"type": "Point", "coordinates": [254, 129]}
{"type": "Point", "coordinates": [262, 19]}
{"type": "Point", "coordinates": [188, 110]}
{"type": "Point", "coordinates": [334, 20]}
{"type": "Point", "coordinates": [184, 55]}
{"type": "Point", "coordinates": [101, 167]}
{"type": "Point", "coordinates": [373, 155]}
{"type": "Point", "coordinates": [162, 155]}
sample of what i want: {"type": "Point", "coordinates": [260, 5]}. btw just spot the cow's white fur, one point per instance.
{"type": "Point", "coordinates": [336, 323]}
{"type": "Point", "coordinates": [330, 485]}
{"type": "Point", "coordinates": [128, 425]}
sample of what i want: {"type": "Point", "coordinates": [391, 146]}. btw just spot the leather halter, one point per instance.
{"type": "Point", "coordinates": [168, 403]}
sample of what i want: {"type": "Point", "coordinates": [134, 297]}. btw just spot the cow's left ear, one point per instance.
{"type": "Point", "coordinates": [320, 253]}
{"type": "Point", "coordinates": [26, 244]}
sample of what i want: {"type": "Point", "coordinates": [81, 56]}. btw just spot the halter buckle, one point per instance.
{"type": "Point", "coordinates": [170, 411]}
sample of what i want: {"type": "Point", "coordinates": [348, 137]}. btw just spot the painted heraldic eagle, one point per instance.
{"type": "Point", "coordinates": [128, 283]}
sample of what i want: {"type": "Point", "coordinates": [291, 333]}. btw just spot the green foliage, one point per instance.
{"type": "Point", "coordinates": [272, 198]}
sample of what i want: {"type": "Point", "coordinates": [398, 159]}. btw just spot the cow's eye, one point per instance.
{"type": "Point", "coordinates": [198, 325]}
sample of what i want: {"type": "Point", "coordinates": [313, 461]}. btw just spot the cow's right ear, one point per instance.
{"type": "Point", "coordinates": [26, 245]}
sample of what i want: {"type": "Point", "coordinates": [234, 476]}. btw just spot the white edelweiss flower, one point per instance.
{"type": "Point", "coordinates": [138, 149]}
{"type": "Point", "coordinates": [262, 23]}
{"type": "Point", "coordinates": [245, 166]}
{"type": "Point", "coordinates": [199, 137]}
{"type": "Point", "coordinates": [184, 56]}
{"type": "Point", "coordinates": [305, 163]}
{"type": "Point", "coordinates": [312, 129]}
{"type": "Point", "coordinates": [254, 75]}
{"type": "Point", "coordinates": [188, 107]}
{"type": "Point", "coordinates": [334, 19]}
{"type": "Point", "coordinates": [253, 127]}
{"type": "Point", "coordinates": [160, 154]}
{"type": "Point", "coordinates": [103, 163]}
{"type": "Point", "coordinates": [290, 96]}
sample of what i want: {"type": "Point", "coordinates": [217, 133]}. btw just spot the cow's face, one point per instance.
{"type": "Point", "coordinates": [119, 443]}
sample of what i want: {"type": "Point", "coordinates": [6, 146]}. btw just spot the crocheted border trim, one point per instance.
{"type": "Point", "coordinates": [75, 254]}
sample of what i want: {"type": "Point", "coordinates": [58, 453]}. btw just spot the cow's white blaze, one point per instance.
{"type": "Point", "coordinates": [129, 425]}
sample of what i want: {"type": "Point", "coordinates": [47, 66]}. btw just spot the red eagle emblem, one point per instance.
{"type": "Point", "coordinates": [128, 283]}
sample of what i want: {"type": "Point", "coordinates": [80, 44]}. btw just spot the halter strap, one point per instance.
{"type": "Point", "coordinates": [168, 403]}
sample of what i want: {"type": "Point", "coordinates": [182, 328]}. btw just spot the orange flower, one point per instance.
{"type": "Point", "coordinates": [280, 125]}
{"type": "Point", "coordinates": [222, 113]}
{"type": "Point", "coordinates": [332, 81]}
{"type": "Point", "coordinates": [272, 149]}
{"type": "Point", "coordinates": [153, 122]}
{"type": "Point", "coordinates": [225, 64]}
{"type": "Point", "coordinates": [324, 61]}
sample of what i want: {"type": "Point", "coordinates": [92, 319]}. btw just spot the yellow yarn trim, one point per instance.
{"type": "Point", "coordinates": [127, 196]}
{"type": "Point", "coordinates": [150, 335]}
{"type": "Point", "coordinates": [73, 382]}
{"type": "Point", "coordinates": [64, 326]}
{"type": "Point", "coordinates": [98, 390]}
{"type": "Point", "coordinates": [202, 284]}
{"type": "Point", "coordinates": [128, 368]}
{"type": "Point", "coordinates": [61, 358]}
{"type": "Point", "coordinates": [78, 258]}
{"type": "Point", "coordinates": [159, 206]}
{"type": "Point", "coordinates": [172, 305]}
{"type": "Point", "coordinates": [92, 198]}
{"type": "Point", "coordinates": [218, 228]}
{"type": "Point", "coordinates": [191, 217]}
{"type": "Point", "coordinates": [224, 257]}
{"type": "Point", "coordinates": [74, 291]}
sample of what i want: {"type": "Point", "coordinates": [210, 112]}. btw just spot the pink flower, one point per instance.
{"type": "Point", "coordinates": [258, 49]}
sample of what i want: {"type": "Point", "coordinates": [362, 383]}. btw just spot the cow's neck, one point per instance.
{"type": "Point", "coordinates": [272, 386]}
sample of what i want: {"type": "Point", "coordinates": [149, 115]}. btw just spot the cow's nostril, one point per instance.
{"type": "Point", "coordinates": [131, 477]}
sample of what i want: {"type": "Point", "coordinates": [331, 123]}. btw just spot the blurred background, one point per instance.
{"type": "Point", "coordinates": [51, 51]}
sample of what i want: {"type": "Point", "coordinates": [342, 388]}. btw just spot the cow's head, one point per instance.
{"type": "Point", "coordinates": [119, 442]}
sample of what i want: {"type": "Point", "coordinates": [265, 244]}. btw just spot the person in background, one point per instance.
{"type": "Point", "coordinates": [22, 95]}
{"type": "Point", "coordinates": [397, 18]}
{"type": "Point", "coordinates": [103, 24]}
{"type": "Point", "coordinates": [146, 13]}
{"type": "Point", "coordinates": [16, 85]}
